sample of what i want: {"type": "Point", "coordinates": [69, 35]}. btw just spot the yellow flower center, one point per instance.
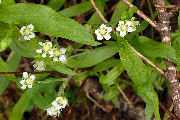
{"type": "Point", "coordinates": [46, 47]}
{"type": "Point", "coordinates": [57, 53]}
{"type": "Point", "coordinates": [123, 27]}
{"type": "Point", "coordinates": [27, 31]}
{"type": "Point", "coordinates": [102, 31]}
{"type": "Point", "coordinates": [133, 24]}
{"type": "Point", "coordinates": [28, 81]}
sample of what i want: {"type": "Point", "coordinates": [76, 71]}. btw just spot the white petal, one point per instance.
{"type": "Point", "coordinates": [102, 26]}
{"type": "Point", "coordinates": [54, 103]}
{"type": "Point", "coordinates": [55, 59]}
{"type": "Point", "coordinates": [107, 36]}
{"type": "Point", "coordinates": [22, 30]}
{"type": "Point", "coordinates": [109, 29]}
{"type": "Point", "coordinates": [97, 32]}
{"type": "Point", "coordinates": [128, 23]}
{"type": "Point", "coordinates": [31, 27]}
{"type": "Point", "coordinates": [25, 74]}
{"type": "Point", "coordinates": [49, 43]}
{"type": "Point", "coordinates": [32, 77]}
{"type": "Point", "coordinates": [32, 35]}
{"type": "Point", "coordinates": [63, 50]}
{"type": "Point", "coordinates": [62, 58]}
{"type": "Point", "coordinates": [121, 22]}
{"type": "Point", "coordinates": [44, 55]}
{"type": "Point", "coordinates": [26, 38]}
{"type": "Point", "coordinates": [23, 87]}
{"type": "Point", "coordinates": [41, 44]}
{"type": "Point", "coordinates": [22, 81]}
{"type": "Point", "coordinates": [99, 37]}
{"type": "Point", "coordinates": [39, 50]}
{"type": "Point", "coordinates": [130, 29]}
{"type": "Point", "coordinates": [122, 33]}
{"type": "Point", "coordinates": [51, 52]}
{"type": "Point", "coordinates": [118, 28]}
{"type": "Point", "coordinates": [30, 86]}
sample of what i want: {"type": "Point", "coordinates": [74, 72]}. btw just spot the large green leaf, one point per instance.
{"type": "Point", "coordinates": [154, 49]}
{"type": "Point", "coordinates": [46, 21]}
{"type": "Point", "coordinates": [140, 75]}
{"type": "Point", "coordinates": [91, 57]}
{"type": "Point", "coordinates": [77, 9]}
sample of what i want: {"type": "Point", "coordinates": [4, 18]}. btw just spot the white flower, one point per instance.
{"type": "Point", "coordinates": [103, 32]}
{"type": "Point", "coordinates": [46, 47]}
{"type": "Point", "coordinates": [57, 106]}
{"type": "Point", "coordinates": [27, 32]}
{"type": "Point", "coordinates": [53, 111]}
{"type": "Point", "coordinates": [0, 1]}
{"type": "Point", "coordinates": [122, 28]}
{"type": "Point", "coordinates": [27, 80]}
{"type": "Point", "coordinates": [132, 24]}
{"type": "Point", "coordinates": [58, 54]}
{"type": "Point", "coordinates": [39, 65]}
{"type": "Point", "coordinates": [61, 102]}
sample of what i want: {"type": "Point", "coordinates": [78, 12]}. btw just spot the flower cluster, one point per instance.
{"type": "Point", "coordinates": [58, 54]}
{"type": "Point", "coordinates": [27, 80]}
{"type": "Point", "coordinates": [39, 65]}
{"type": "Point", "coordinates": [127, 26]}
{"type": "Point", "coordinates": [27, 32]}
{"type": "Point", "coordinates": [123, 28]}
{"type": "Point", "coordinates": [103, 32]}
{"type": "Point", "coordinates": [56, 106]}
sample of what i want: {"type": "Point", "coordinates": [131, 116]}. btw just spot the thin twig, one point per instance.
{"type": "Point", "coordinates": [141, 14]}
{"type": "Point", "coordinates": [167, 111]}
{"type": "Point", "coordinates": [126, 98]}
{"type": "Point", "coordinates": [97, 104]}
{"type": "Point", "coordinates": [165, 6]}
{"type": "Point", "coordinates": [98, 11]}
{"type": "Point", "coordinates": [74, 101]}
{"type": "Point", "coordinates": [20, 73]}
{"type": "Point", "coordinates": [140, 55]}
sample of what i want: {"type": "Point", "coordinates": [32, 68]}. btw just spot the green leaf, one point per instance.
{"type": "Point", "coordinates": [129, 13]}
{"type": "Point", "coordinates": [112, 75]}
{"type": "Point", "coordinates": [119, 10]}
{"type": "Point", "coordinates": [82, 75]}
{"type": "Point", "coordinates": [7, 2]}
{"type": "Point", "coordinates": [21, 105]}
{"type": "Point", "coordinates": [25, 48]}
{"type": "Point", "coordinates": [139, 74]}
{"type": "Point", "coordinates": [77, 9]}
{"type": "Point", "coordinates": [106, 65]}
{"type": "Point", "coordinates": [58, 66]}
{"type": "Point", "coordinates": [56, 4]}
{"type": "Point", "coordinates": [46, 21]}
{"type": "Point", "coordinates": [91, 57]}
{"type": "Point", "coordinates": [153, 49]}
